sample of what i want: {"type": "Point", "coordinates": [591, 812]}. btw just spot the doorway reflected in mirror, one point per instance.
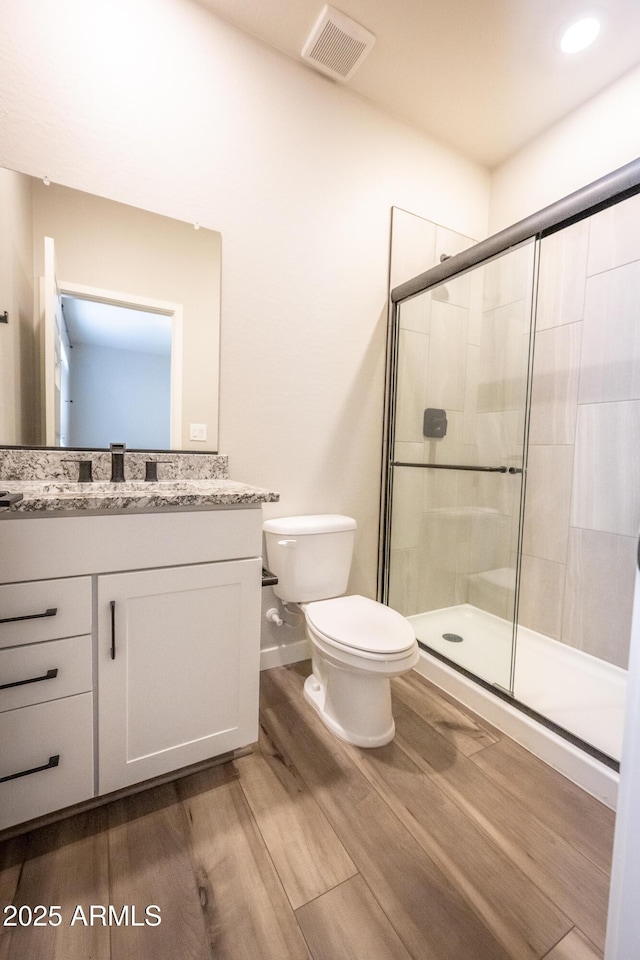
{"type": "Point", "coordinates": [113, 252]}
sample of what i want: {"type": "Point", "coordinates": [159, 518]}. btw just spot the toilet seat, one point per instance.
{"type": "Point", "coordinates": [362, 626]}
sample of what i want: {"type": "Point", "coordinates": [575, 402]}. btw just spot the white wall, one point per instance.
{"type": "Point", "coordinates": [159, 104]}
{"type": "Point", "coordinates": [595, 139]}
{"type": "Point", "coordinates": [106, 385]}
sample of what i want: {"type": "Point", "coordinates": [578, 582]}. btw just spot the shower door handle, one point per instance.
{"type": "Point", "coordinates": [457, 466]}
{"type": "Point", "coordinates": [452, 466]}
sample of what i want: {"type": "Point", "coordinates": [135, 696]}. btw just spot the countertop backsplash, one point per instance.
{"type": "Point", "coordinates": [34, 464]}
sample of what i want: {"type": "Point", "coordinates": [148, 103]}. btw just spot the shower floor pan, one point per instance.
{"type": "Point", "coordinates": [580, 693]}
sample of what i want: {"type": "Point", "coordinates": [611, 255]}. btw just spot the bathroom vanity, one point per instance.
{"type": "Point", "coordinates": [129, 636]}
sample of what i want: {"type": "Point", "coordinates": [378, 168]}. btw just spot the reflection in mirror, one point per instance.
{"type": "Point", "coordinates": [124, 356]}
{"type": "Point", "coordinates": [143, 369]}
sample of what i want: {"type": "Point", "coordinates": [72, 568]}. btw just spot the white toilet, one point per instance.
{"type": "Point", "coordinates": [357, 643]}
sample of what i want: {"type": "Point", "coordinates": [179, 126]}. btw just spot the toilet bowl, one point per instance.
{"type": "Point", "coordinates": [357, 644]}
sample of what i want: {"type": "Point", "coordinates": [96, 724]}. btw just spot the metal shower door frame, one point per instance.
{"type": "Point", "coordinates": [602, 193]}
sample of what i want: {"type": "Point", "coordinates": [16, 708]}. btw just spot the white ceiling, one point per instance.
{"type": "Point", "coordinates": [485, 76]}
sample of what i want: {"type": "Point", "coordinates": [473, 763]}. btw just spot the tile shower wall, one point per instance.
{"type": "Point", "coordinates": [583, 485]}
{"type": "Point", "coordinates": [505, 288]}
{"type": "Point", "coordinates": [431, 372]}
{"type": "Point", "coordinates": [462, 348]}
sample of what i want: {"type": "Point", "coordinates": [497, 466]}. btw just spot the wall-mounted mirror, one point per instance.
{"type": "Point", "coordinates": [110, 323]}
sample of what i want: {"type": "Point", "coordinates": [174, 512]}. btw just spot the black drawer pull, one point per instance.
{"type": "Point", "coordinates": [53, 762]}
{"type": "Point", "coordinates": [49, 675]}
{"type": "Point", "coordinates": [51, 612]}
{"type": "Point", "coordinates": [112, 604]}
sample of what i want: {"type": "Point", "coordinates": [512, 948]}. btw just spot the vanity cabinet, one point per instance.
{"type": "Point", "coordinates": [177, 667]}
{"type": "Point", "coordinates": [46, 702]}
{"type": "Point", "coordinates": [129, 649]}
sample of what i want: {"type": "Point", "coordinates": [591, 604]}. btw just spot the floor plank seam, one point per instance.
{"type": "Point", "coordinates": [563, 937]}
{"type": "Point", "coordinates": [568, 840]}
{"type": "Point", "coordinates": [493, 835]}
{"type": "Point", "coordinates": [16, 888]}
{"type": "Point", "coordinates": [456, 853]}
{"type": "Point", "coordinates": [275, 868]}
{"type": "Point", "coordinates": [450, 875]}
{"type": "Point", "coordinates": [351, 753]}
{"type": "Point", "coordinates": [264, 843]}
{"type": "Point", "coordinates": [453, 795]}
{"type": "Point", "coordinates": [385, 914]}
{"type": "Point", "coordinates": [287, 761]}
{"type": "Point", "coordinates": [319, 896]}
{"type": "Point", "coordinates": [201, 894]}
{"type": "Point", "coordinates": [454, 876]}
{"type": "Point", "coordinates": [513, 798]}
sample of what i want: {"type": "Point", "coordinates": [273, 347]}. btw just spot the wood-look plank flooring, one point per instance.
{"type": "Point", "coordinates": [451, 843]}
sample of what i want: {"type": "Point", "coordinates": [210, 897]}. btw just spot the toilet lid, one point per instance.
{"type": "Point", "coordinates": [362, 624]}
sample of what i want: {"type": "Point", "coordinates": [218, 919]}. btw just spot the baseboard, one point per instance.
{"type": "Point", "coordinates": [283, 653]}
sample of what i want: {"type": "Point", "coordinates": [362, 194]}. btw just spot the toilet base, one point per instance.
{"type": "Point", "coordinates": [354, 705]}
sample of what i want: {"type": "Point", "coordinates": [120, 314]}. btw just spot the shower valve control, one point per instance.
{"type": "Point", "coordinates": [434, 423]}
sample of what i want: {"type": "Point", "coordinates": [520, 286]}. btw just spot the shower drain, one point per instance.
{"type": "Point", "coordinates": [452, 637]}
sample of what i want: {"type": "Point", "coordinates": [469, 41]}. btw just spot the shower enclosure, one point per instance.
{"type": "Point", "coordinates": [512, 474]}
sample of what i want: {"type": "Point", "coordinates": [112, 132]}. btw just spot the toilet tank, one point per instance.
{"type": "Point", "coordinates": [310, 556]}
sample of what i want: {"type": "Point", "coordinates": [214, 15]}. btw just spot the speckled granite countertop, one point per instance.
{"type": "Point", "coordinates": [44, 480]}
{"type": "Point", "coordinates": [45, 496]}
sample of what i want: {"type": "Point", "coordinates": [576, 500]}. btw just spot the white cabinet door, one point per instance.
{"type": "Point", "coordinates": [178, 667]}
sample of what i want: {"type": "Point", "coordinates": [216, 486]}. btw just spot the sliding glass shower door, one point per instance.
{"type": "Point", "coordinates": [458, 431]}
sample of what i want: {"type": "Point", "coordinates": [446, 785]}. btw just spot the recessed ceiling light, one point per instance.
{"type": "Point", "coordinates": [580, 35]}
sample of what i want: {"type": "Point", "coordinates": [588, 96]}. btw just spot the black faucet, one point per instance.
{"type": "Point", "coordinates": [117, 462]}
{"type": "Point", "coordinates": [151, 469]}
{"type": "Point", "coordinates": [84, 470]}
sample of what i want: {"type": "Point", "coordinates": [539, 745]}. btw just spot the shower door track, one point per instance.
{"type": "Point", "coordinates": [618, 185]}
{"type": "Point", "coordinates": [540, 718]}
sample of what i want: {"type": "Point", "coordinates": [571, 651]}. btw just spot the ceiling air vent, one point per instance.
{"type": "Point", "coordinates": [337, 45]}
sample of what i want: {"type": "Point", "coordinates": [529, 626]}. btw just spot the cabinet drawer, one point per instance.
{"type": "Point", "coordinates": [44, 671]}
{"type": "Point", "coordinates": [32, 738]}
{"type": "Point", "coordinates": [44, 610]}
